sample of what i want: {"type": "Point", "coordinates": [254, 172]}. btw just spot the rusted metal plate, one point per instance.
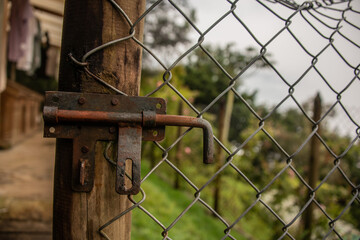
{"type": "Point", "coordinates": [85, 134]}
{"type": "Point", "coordinates": [83, 164]}
{"type": "Point", "coordinates": [87, 118]}
{"type": "Point", "coordinates": [129, 152]}
{"type": "Point", "coordinates": [106, 103]}
{"type": "Point", "coordinates": [84, 140]}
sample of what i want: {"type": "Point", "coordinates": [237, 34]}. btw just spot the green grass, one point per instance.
{"type": "Point", "coordinates": [166, 204]}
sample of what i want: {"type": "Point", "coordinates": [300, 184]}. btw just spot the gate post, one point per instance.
{"type": "Point", "coordinates": [89, 24]}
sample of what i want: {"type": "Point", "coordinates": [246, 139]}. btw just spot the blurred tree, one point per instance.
{"type": "Point", "coordinates": [205, 76]}
{"type": "Point", "coordinates": [166, 30]}
{"type": "Point", "coordinates": [290, 129]}
{"type": "Point", "coordinates": [175, 105]}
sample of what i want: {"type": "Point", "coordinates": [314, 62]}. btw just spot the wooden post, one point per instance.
{"type": "Point", "coordinates": [178, 148]}
{"type": "Point", "coordinates": [88, 24]}
{"type": "Point", "coordinates": [313, 168]}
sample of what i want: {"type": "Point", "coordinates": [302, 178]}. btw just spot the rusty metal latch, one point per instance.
{"type": "Point", "coordinates": [87, 118]}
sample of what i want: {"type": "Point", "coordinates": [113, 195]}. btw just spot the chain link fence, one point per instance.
{"type": "Point", "coordinates": [322, 32]}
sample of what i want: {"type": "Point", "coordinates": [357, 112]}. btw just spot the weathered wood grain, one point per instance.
{"type": "Point", "coordinates": [88, 24]}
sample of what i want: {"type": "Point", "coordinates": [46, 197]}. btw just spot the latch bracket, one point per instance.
{"type": "Point", "coordinates": [89, 117]}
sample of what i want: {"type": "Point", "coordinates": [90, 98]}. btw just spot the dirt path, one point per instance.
{"type": "Point", "coordinates": [26, 174]}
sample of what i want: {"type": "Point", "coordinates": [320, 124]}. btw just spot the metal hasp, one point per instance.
{"type": "Point", "coordinates": [87, 118]}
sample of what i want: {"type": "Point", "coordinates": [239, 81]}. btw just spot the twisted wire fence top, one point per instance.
{"type": "Point", "coordinates": [312, 46]}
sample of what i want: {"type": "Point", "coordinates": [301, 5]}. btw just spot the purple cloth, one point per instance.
{"type": "Point", "coordinates": [21, 12]}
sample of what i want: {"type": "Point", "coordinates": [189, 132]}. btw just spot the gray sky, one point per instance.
{"type": "Point", "coordinates": [290, 59]}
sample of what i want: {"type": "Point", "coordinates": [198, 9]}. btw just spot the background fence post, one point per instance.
{"type": "Point", "coordinates": [224, 127]}
{"type": "Point", "coordinates": [178, 148]}
{"type": "Point", "coordinates": [313, 168]}
{"type": "Point", "coordinates": [88, 24]}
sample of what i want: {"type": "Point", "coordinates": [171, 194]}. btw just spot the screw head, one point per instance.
{"type": "Point", "coordinates": [81, 100]}
{"type": "Point", "coordinates": [52, 130]}
{"type": "Point", "coordinates": [84, 149]}
{"type": "Point", "coordinates": [55, 99]}
{"type": "Point", "coordinates": [114, 101]}
{"type": "Point", "coordinates": [112, 129]}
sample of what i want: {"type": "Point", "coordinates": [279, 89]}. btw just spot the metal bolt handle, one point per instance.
{"type": "Point", "coordinates": [208, 141]}
{"type": "Point", "coordinates": [146, 119]}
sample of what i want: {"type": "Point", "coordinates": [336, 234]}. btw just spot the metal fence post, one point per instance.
{"type": "Point", "coordinates": [88, 24]}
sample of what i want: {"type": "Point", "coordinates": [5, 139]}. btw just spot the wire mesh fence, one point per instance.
{"type": "Point", "coordinates": [263, 186]}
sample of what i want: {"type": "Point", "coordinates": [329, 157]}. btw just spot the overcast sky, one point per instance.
{"type": "Point", "coordinates": [290, 59]}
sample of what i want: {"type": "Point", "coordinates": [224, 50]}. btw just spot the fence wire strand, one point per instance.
{"type": "Point", "coordinates": [314, 14]}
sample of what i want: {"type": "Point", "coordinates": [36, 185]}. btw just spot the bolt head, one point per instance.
{"type": "Point", "coordinates": [81, 100]}
{"type": "Point", "coordinates": [84, 149]}
{"type": "Point", "coordinates": [114, 101]}
{"type": "Point", "coordinates": [112, 129]}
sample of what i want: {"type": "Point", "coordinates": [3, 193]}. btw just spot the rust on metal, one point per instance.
{"type": "Point", "coordinates": [56, 101]}
{"type": "Point", "coordinates": [90, 116]}
{"type": "Point", "coordinates": [81, 100]}
{"type": "Point", "coordinates": [114, 101]}
{"type": "Point", "coordinates": [175, 120]}
{"type": "Point", "coordinates": [113, 117]}
{"type": "Point", "coordinates": [146, 118]}
{"type": "Point", "coordinates": [129, 141]}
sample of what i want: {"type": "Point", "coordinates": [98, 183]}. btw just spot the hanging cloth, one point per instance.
{"type": "Point", "coordinates": [21, 13]}
{"type": "Point", "coordinates": [25, 61]}
{"type": "Point", "coordinates": [3, 40]}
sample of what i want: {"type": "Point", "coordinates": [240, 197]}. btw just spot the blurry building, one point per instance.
{"type": "Point", "coordinates": [30, 38]}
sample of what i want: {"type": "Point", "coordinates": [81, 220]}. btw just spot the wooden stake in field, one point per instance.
{"type": "Point", "coordinates": [313, 168]}
{"type": "Point", "coordinates": [88, 24]}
